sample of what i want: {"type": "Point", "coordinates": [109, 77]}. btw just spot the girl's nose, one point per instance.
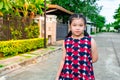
{"type": "Point", "coordinates": [78, 27]}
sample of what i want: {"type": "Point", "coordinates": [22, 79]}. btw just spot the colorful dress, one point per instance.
{"type": "Point", "coordinates": [78, 60]}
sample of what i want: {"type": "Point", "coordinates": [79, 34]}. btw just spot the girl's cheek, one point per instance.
{"type": "Point", "coordinates": [72, 28]}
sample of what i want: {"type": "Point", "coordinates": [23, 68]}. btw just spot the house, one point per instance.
{"type": "Point", "coordinates": [55, 29]}
{"type": "Point", "coordinates": [90, 27]}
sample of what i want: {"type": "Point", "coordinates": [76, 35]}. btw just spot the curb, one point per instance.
{"type": "Point", "coordinates": [13, 67]}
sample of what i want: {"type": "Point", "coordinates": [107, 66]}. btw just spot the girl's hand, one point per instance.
{"type": "Point", "coordinates": [94, 51]}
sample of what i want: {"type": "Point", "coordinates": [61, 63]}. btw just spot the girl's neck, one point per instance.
{"type": "Point", "coordinates": [77, 36]}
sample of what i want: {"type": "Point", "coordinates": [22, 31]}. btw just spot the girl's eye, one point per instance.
{"type": "Point", "coordinates": [74, 25]}
{"type": "Point", "coordinates": [80, 25]}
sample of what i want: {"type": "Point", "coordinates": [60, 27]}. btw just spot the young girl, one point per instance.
{"type": "Point", "coordinates": [79, 52]}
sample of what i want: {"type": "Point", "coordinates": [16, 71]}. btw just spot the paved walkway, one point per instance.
{"type": "Point", "coordinates": [107, 68]}
{"type": "Point", "coordinates": [44, 70]}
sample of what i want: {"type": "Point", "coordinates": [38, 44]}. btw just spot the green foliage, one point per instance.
{"type": "Point", "coordinates": [103, 30]}
{"type": "Point", "coordinates": [117, 14]}
{"type": "Point", "coordinates": [116, 25]}
{"type": "Point", "coordinates": [117, 18]}
{"type": "Point", "coordinates": [15, 29]}
{"type": "Point", "coordinates": [14, 47]}
{"type": "Point", "coordinates": [87, 7]}
{"type": "Point", "coordinates": [1, 66]}
{"type": "Point", "coordinates": [32, 31]}
{"type": "Point", "coordinates": [16, 34]}
{"type": "Point", "coordinates": [5, 7]}
{"type": "Point", "coordinates": [21, 7]}
{"type": "Point", "coordinates": [100, 21]}
{"type": "Point", "coordinates": [111, 31]}
{"type": "Point", "coordinates": [108, 26]}
{"type": "Point", "coordinates": [92, 32]}
{"type": "Point", "coordinates": [76, 6]}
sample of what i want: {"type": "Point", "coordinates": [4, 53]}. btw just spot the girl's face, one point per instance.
{"type": "Point", "coordinates": [77, 26]}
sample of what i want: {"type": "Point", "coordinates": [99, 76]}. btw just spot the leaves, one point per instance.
{"type": "Point", "coordinates": [18, 7]}
{"type": "Point", "coordinates": [13, 47]}
{"type": "Point", "coordinates": [5, 7]}
{"type": "Point", "coordinates": [88, 7]}
{"type": "Point", "coordinates": [1, 5]}
{"type": "Point", "coordinates": [117, 18]}
{"type": "Point", "coordinates": [1, 14]}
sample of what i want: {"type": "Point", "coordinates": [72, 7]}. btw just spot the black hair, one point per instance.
{"type": "Point", "coordinates": [71, 19]}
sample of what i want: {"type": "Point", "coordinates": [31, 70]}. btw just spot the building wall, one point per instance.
{"type": "Point", "coordinates": [90, 29]}
{"type": "Point", "coordinates": [50, 28]}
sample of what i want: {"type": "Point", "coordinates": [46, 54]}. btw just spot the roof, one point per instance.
{"type": "Point", "coordinates": [57, 10]}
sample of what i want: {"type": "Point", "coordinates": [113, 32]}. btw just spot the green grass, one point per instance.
{"type": "Point", "coordinates": [1, 66]}
{"type": "Point", "coordinates": [50, 48]}
{"type": "Point", "coordinates": [6, 57]}
{"type": "Point", "coordinates": [27, 55]}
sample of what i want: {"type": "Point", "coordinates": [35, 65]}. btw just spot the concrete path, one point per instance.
{"type": "Point", "coordinates": [107, 67]}
{"type": "Point", "coordinates": [45, 70]}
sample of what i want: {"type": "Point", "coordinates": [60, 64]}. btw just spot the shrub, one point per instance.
{"type": "Point", "coordinates": [92, 32]}
{"type": "Point", "coordinates": [1, 66]}
{"type": "Point", "coordinates": [18, 28]}
{"type": "Point", "coordinates": [14, 47]}
{"type": "Point", "coordinates": [16, 34]}
{"type": "Point", "coordinates": [103, 31]}
{"type": "Point", "coordinates": [112, 31]}
{"type": "Point", "coordinates": [32, 31]}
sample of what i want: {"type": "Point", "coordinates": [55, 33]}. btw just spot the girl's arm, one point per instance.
{"type": "Point", "coordinates": [94, 51]}
{"type": "Point", "coordinates": [61, 63]}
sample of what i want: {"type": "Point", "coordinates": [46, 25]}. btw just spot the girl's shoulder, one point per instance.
{"type": "Point", "coordinates": [88, 37]}
{"type": "Point", "coordinates": [68, 38]}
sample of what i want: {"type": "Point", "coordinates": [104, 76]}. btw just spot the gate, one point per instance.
{"type": "Point", "coordinates": [61, 31]}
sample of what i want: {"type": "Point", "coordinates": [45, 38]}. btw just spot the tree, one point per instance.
{"type": "Point", "coordinates": [22, 7]}
{"type": "Point", "coordinates": [25, 7]}
{"type": "Point", "coordinates": [116, 25]}
{"type": "Point", "coordinates": [98, 20]}
{"type": "Point", "coordinates": [18, 17]}
{"type": "Point", "coordinates": [87, 7]}
{"type": "Point", "coordinates": [117, 18]}
{"type": "Point", "coordinates": [109, 25]}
